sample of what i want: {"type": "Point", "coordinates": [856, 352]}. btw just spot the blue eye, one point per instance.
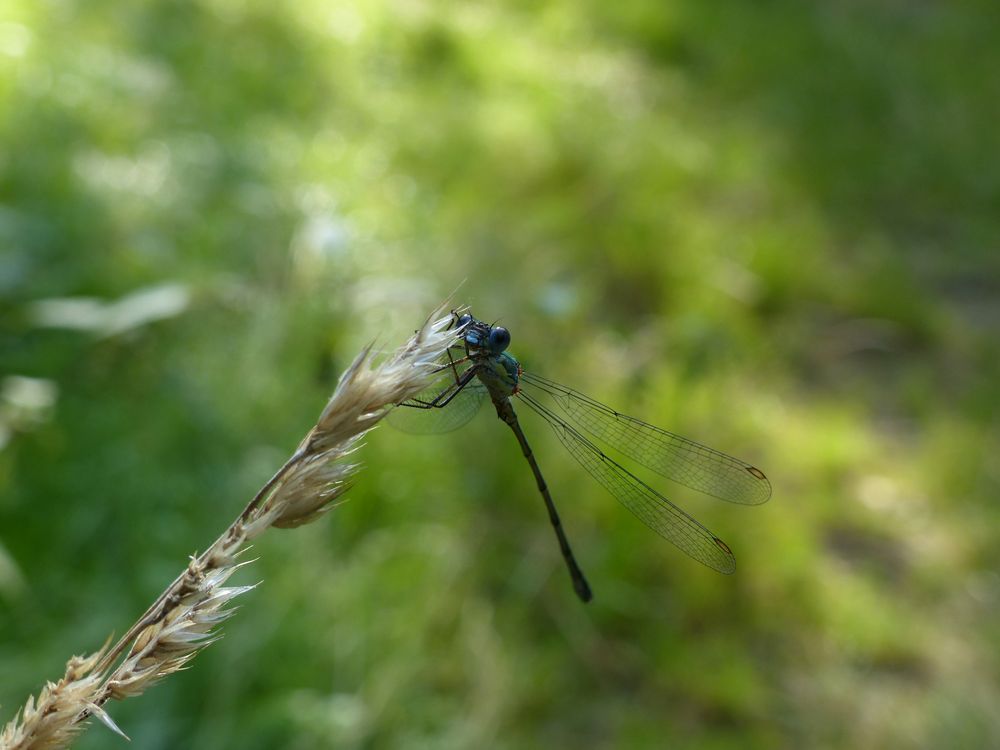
{"type": "Point", "coordinates": [499, 339]}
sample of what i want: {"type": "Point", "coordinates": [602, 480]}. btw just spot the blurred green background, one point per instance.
{"type": "Point", "coordinates": [771, 226]}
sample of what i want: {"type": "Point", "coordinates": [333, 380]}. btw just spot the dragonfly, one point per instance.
{"type": "Point", "coordinates": [478, 367]}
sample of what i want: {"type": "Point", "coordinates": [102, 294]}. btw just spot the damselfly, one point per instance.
{"type": "Point", "coordinates": [478, 367]}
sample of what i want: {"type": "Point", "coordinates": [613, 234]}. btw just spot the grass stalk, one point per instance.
{"type": "Point", "coordinates": [184, 618]}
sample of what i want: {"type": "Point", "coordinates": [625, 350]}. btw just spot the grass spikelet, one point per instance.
{"type": "Point", "coordinates": [184, 618]}
{"type": "Point", "coordinates": [49, 721]}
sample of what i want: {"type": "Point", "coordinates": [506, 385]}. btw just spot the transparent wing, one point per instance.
{"type": "Point", "coordinates": [428, 412]}
{"type": "Point", "coordinates": [654, 510]}
{"type": "Point", "coordinates": [677, 458]}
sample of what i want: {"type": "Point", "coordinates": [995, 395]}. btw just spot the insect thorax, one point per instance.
{"type": "Point", "coordinates": [500, 374]}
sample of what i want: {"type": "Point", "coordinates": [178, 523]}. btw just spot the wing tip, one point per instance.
{"type": "Point", "coordinates": [729, 566]}
{"type": "Point", "coordinates": [759, 475]}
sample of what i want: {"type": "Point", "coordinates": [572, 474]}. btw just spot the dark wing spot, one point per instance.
{"type": "Point", "coordinates": [722, 545]}
{"type": "Point", "coordinates": [756, 472]}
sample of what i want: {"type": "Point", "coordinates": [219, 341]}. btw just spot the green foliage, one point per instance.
{"type": "Point", "coordinates": [768, 226]}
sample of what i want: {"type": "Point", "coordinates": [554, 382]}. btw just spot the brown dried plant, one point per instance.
{"type": "Point", "coordinates": [184, 617]}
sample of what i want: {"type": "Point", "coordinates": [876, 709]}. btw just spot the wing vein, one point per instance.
{"type": "Point", "coordinates": [681, 460]}
{"type": "Point", "coordinates": [649, 506]}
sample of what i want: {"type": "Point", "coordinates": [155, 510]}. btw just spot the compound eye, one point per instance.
{"type": "Point", "coordinates": [463, 321]}
{"type": "Point", "coordinates": [499, 339]}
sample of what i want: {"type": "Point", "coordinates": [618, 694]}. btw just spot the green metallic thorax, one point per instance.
{"type": "Point", "coordinates": [499, 373]}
